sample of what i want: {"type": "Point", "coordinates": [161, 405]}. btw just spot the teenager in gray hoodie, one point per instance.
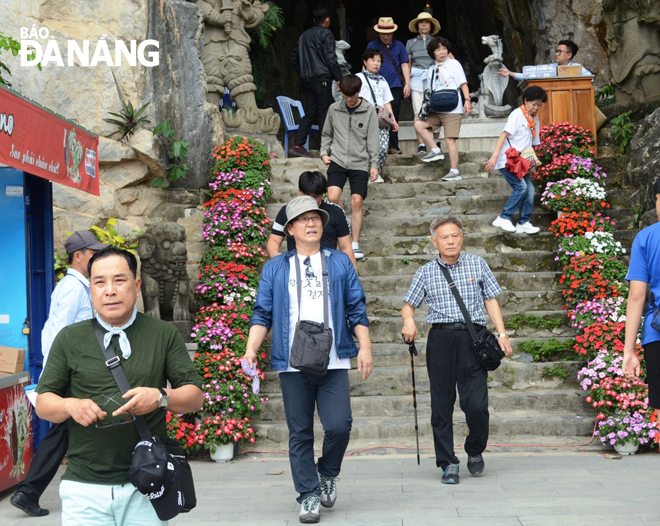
{"type": "Point", "coordinates": [349, 148]}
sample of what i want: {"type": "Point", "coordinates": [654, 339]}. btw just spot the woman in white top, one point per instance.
{"type": "Point", "coordinates": [520, 132]}
{"type": "Point", "coordinates": [374, 84]}
{"type": "Point", "coordinates": [446, 75]}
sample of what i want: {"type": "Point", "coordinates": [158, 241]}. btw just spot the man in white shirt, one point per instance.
{"type": "Point", "coordinates": [69, 303]}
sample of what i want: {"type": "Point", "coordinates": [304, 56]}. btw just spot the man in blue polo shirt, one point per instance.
{"type": "Point", "coordinates": [564, 55]}
{"type": "Point", "coordinates": [395, 68]}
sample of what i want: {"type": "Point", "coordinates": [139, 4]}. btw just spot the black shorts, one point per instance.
{"type": "Point", "coordinates": [358, 179]}
{"type": "Point", "coordinates": [652, 357]}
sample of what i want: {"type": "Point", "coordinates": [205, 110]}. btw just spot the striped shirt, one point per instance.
{"type": "Point", "coordinates": [474, 280]}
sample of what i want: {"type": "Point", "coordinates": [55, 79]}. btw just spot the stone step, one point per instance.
{"type": "Point", "coordinates": [398, 429]}
{"type": "Point", "coordinates": [520, 281]}
{"type": "Point", "coordinates": [555, 400]}
{"type": "Point", "coordinates": [510, 300]}
{"type": "Point", "coordinates": [395, 380]}
{"type": "Point", "coordinates": [387, 329]}
{"type": "Point", "coordinates": [531, 260]}
{"type": "Point", "coordinates": [476, 134]}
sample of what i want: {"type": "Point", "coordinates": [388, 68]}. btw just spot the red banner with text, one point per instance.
{"type": "Point", "coordinates": [37, 141]}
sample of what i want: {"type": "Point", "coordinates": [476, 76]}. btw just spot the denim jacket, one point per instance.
{"type": "Point", "coordinates": [347, 302]}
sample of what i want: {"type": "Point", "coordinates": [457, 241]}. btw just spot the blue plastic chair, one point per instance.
{"type": "Point", "coordinates": [286, 104]}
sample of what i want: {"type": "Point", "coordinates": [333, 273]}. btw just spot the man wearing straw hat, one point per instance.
{"type": "Point", "coordinates": [395, 68]}
{"type": "Point", "coordinates": [312, 286]}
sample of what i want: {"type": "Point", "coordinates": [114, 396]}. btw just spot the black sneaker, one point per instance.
{"type": "Point", "coordinates": [476, 464]}
{"type": "Point", "coordinates": [421, 148]}
{"type": "Point", "coordinates": [450, 474]}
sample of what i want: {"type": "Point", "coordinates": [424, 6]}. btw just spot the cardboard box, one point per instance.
{"type": "Point", "coordinates": [541, 71]}
{"type": "Point", "coordinates": [12, 359]}
{"type": "Point", "coordinates": [574, 70]}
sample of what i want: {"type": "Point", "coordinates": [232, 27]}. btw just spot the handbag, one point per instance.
{"type": "Point", "coordinates": [310, 351]}
{"type": "Point", "coordinates": [159, 469]}
{"type": "Point", "coordinates": [444, 100]}
{"type": "Point", "coordinates": [484, 343]}
{"type": "Point", "coordinates": [530, 154]}
{"type": "Point", "coordinates": [385, 118]}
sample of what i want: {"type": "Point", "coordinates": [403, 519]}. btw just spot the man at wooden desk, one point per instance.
{"type": "Point", "coordinates": [564, 54]}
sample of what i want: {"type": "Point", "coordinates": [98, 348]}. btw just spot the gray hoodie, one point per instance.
{"type": "Point", "coordinates": [351, 140]}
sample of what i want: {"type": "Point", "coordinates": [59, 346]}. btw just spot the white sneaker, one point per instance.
{"type": "Point", "coordinates": [432, 156]}
{"type": "Point", "coordinates": [358, 253]}
{"type": "Point", "coordinates": [328, 490]}
{"type": "Point", "coordinates": [452, 176]}
{"type": "Point", "coordinates": [504, 224]}
{"type": "Point", "coordinates": [527, 228]}
{"type": "Point", "coordinates": [310, 510]}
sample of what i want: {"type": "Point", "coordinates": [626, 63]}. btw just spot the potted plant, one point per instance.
{"type": "Point", "coordinates": [592, 276]}
{"type": "Point", "coordinates": [227, 283]}
{"type": "Point", "coordinates": [625, 431]}
{"type": "Point", "coordinates": [579, 223]}
{"type": "Point", "coordinates": [568, 166]}
{"type": "Point", "coordinates": [563, 138]}
{"type": "Point", "coordinates": [589, 243]}
{"type": "Point", "coordinates": [601, 310]}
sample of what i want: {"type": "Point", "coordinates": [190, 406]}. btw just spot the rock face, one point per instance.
{"type": "Point", "coordinates": [644, 163]}
{"type": "Point", "coordinates": [175, 89]}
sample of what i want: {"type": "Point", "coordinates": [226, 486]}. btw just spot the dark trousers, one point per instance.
{"type": "Point", "coordinates": [46, 461]}
{"type": "Point", "coordinates": [318, 97]}
{"type": "Point", "coordinates": [397, 93]}
{"type": "Point", "coordinates": [330, 394]}
{"type": "Point", "coordinates": [452, 363]}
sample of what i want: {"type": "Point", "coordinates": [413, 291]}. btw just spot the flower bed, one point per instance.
{"type": "Point", "coordinates": [574, 195]}
{"type": "Point", "coordinates": [235, 227]}
{"type": "Point", "coordinates": [593, 284]}
{"type": "Point", "coordinates": [579, 223]}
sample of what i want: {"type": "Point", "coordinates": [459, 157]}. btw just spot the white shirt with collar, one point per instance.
{"type": "Point", "coordinates": [70, 303]}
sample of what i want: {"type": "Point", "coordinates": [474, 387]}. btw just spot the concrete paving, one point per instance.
{"type": "Point", "coordinates": [521, 488]}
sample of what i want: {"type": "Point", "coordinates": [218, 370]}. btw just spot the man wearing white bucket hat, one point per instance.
{"type": "Point", "coordinates": [395, 68]}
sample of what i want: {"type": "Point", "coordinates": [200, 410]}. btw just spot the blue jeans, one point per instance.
{"type": "Point", "coordinates": [301, 392]}
{"type": "Point", "coordinates": [522, 197]}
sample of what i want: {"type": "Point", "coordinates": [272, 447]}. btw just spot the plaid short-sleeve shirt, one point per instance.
{"type": "Point", "coordinates": [475, 282]}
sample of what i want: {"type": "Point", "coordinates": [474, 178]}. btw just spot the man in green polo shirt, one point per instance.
{"type": "Point", "coordinates": [95, 488]}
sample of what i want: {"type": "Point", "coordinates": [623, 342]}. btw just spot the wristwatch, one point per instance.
{"type": "Point", "coordinates": [163, 399]}
{"type": "Point", "coordinates": [503, 335]}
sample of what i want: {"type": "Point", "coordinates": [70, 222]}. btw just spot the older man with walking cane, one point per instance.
{"type": "Point", "coordinates": [451, 358]}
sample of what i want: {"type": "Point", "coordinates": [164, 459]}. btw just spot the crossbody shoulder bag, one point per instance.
{"type": "Point", "coordinates": [484, 343]}
{"type": "Point", "coordinates": [396, 68]}
{"type": "Point", "coordinates": [312, 341]}
{"type": "Point", "coordinates": [184, 499]}
{"type": "Point", "coordinates": [385, 118]}
{"type": "Point", "coordinates": [443, 100]}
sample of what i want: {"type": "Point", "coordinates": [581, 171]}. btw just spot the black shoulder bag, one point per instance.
{"type": "Point", "coordinates": [312, 341]}
{"type": "Point", "coordinates": [397, 68]}
{"type": "Point", "coordinates": [168, 485]}
{"type": "Point", "coordinates": [444, 100]}
{"type": "Point", "coordinates": [485, 344]}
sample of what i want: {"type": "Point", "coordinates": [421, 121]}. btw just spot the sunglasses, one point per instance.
{"type": "Point", "coordinates": [124, 419]}
{"type": "Point", "coordinates": [309, 273]}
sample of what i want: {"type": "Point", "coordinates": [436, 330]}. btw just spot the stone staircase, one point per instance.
{"type": "Point", "coordinates": [527, 406]}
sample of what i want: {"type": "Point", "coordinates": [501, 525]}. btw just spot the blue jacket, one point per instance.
{"type": "Point", "coordinates": [347, 302]}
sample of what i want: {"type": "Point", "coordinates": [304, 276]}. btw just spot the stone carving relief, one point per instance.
{"type": "Point", "coordinates": [633, 46]}
{"type": "Point", "coordinates": [165, 285]}
{"type": "Point", "coordinates": [491, 90]}
{"type": "Point", "coordinates": [226, 60]}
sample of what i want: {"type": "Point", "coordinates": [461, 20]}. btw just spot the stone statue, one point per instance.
{"type": "Point", "coordinates": [492, 87]}
{"type": "Point", "coordinates": [226, 60]}
{"type": "Point", "coordinates": [165, 286]}
{"type": "Point", "coordinates": [633, 47]}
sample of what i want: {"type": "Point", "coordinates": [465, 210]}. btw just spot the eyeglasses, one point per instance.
{"type": "Point", "coordinates": [309, 273]}
{"type": "Point", "coordinates": [306, 220]}
{"type": "Point", "coordinates": [560, 51]}
{"type": "Point", "coordinates": [123, 419]}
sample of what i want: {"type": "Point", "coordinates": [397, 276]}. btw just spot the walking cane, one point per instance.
{"type": "Point", "coordinates": [413, 352]}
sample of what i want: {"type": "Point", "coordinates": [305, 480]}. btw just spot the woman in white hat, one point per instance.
{"type": "Point", "coordinates": [395, 68]}
{"type": "Point", "coordinates": [425, 26]}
